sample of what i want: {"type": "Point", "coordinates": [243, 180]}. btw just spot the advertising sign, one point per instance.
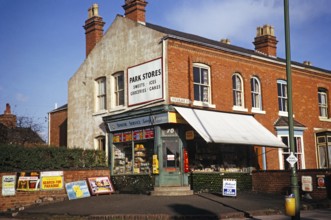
{"type": "Point", "coordinates": [52, 180]}
{"type": "Point", "coordinates": [229, 187]}
{"type": "Point", "coordinates": [307, 183]}
{"type": "Point", "coordinates": [145, 82]}
{"type": "Point", "coordinates": [100, 185]}
{"type": "Point", "coordinates": [320, 180]}
{"type": "Point", "coordinates": [28, 181]}
{"type": "Point", "coordinates": [77, 190]}
{"type": "Point", "coordinates": [8, 185]}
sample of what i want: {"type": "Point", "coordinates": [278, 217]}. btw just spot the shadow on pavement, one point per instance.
{"type": "Point", "coordinates": [191, 212]}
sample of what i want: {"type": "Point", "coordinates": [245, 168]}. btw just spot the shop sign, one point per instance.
{"type": "Point", "coordinates": [180, 100]}
{"type": "Point", "coordinates": [320, 179]}
{"type": "Point", "coordinates": [139, 122]}
{"type": "Point", "coordinates": [145, 82]}
{"type": "Point", "coordinates": [100, 185]}
{"type": "Point", "coordinates": [77, 190]}
{"type": "Point", "coordinates": [148, 133]}
{"type": "Point", "coordinates": [28, 181]}
{"type": "Point", "coordinates": [52, 180]}
{"type": "Point", "coordinates": [307, 183]}
{"type": "Point", "coordinates": [137, 135]}
{"type": "Point", "coordinates": [127, 136]}
{"type": "Point", "coordinates": [229, 187]}
{"type": "Point", "coordinates": [8, 185]}
{"type": "Point", "coordinates": [155, 164]}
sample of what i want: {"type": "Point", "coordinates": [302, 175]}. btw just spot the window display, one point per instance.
{"type": "Point", "coordinates": [133, 151]}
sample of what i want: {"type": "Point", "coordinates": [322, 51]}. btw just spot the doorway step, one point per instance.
{"type": "Point", "coordinates": [172, 191]}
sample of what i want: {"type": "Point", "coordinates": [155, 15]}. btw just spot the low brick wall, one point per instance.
{"type": "Point", "coordinates": [25, 199]}
{"type": "Point", "coordinates": [279, 181]}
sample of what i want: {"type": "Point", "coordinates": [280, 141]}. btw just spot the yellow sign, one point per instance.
{"type": "Point", "coordinates": [155, 164]}
{"type": "Point", "coordinates": [176, 118]}
{"type": "Point", "coordinates": [51, 182]}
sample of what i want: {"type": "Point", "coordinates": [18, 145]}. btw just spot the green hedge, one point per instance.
{"type": "Point", "coordinates": [16, 158]}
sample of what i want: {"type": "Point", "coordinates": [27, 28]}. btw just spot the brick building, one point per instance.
{"type": "Point", "coordinates": [166, 102]}
{"type": "Point", "coordinates": [57, 127]}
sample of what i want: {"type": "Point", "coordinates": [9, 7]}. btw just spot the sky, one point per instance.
{"type": "Point", "coordinates": [42, 42]}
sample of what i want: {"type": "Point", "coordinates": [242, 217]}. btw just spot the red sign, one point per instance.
{"type": "Point", "coordinates": [148, 133]}
{"type": "Point", "coordinates": [127, 136]}
{"type": "Point", "coordinates": [118, 137]}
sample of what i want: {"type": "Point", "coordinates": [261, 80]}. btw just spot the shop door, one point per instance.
{"type": "Point", "coordinates": [171, 174]}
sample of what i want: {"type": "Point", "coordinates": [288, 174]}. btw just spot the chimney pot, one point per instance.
{"type": "Point", "coordinates": [265, 41]}
{"type": "Point", "coordinates": [226, 41]}
{"type": "Point", "coordinates": [93, 28]}
{"type": "Point", "coordinates": [308, 63]}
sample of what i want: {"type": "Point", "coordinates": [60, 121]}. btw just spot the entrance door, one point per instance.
{"type": "Point", "coordinates": [170, 170]}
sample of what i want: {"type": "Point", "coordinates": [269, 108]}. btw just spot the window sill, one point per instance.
{"type": "Point", "coordinates": [281, 113]}
{"type": "Point", "coordinates": [203, 104]}
{"type": "Point", "coordinates": [117, 108]}
{"type": "Point", "coordinates": [239, 108]}
{"type": "Point", "coordinates": [100, 112]}
{"type": "Point", "coordinates": [258, 111]}
{"type": "Point", "coordinates": [324, 119]}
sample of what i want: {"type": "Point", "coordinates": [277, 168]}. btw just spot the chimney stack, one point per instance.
{"type": "Point", "coordinates": [265, 40]}
{"type": "Point", "coordinates": [8, 119]}
{"type": "Point", "coordinates": [93, 28]}
{"type": "Point", "coordinates": [135, 10]}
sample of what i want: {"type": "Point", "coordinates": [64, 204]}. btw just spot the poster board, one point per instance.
{"type": "Point", "coordinates": [100, 185]}
{"type": "Point", "coordinates": [28, 181]}
{"type": "Point", "coordinates": [320, 180]}
{"type": "Point", "coordinates": [77, 190]}
{"type": "Point", "coordinates": [307, 183]}
{"type": "Point", "coordinates": [229, 187]}
{"type": "Point", "coordinates": [51, 180]}
{"type": "Point", "coordinates": [8, 185]}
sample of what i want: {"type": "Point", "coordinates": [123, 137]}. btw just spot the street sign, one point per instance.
{"type": "Point", "coordinates": [292, 159]}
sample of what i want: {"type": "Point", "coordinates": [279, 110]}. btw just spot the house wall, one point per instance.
{"type": "Point", "coordinates": [58, 128]}
{"type": "Point", "coordinates": [181, 57]}
{"type": "Point", "coordinates": [125, 44]}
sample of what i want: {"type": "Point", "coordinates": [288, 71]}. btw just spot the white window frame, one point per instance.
{"type": "Point", "coordinates": [256, 95]}
{"type": "Point", "coordinates": [100, 143]}
{"type": "Point", "coordinates": [326, 144]}
{"type": "Point", "coordinates": [323, 103]}
{"type": "Point", "coordinates": [114, 91]}
{"type": "Point", "coordinates": [101, 94]}
{"type": "Point", "coordinates": [283, 153]}
{"type": "Point", "coordinates": [238, 96]}
{"type": "Point", "coordinates": [205, 96]}
{"type": "Point", "coordinates": [282, 98]}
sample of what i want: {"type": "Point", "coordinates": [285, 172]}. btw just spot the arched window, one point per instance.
{"type": "Point", "coordinates": [256, 93]}
{"type": "Point", "coordinates": [323, 102]}
{"type": "Point", "coordinates": [238, 90]}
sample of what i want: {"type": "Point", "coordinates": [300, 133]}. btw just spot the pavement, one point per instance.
{"type": "Point", "coordinates": [246, 205]}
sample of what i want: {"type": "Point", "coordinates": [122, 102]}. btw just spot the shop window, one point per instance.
{"type": "Point", "coordinates": [201, 77]}
{"type": "Point", "coordinates": [324, 150]}
{"type": "Point", "coordinates": [256, 94]}
{"type": "Point", "coordinates": [323, 103]}
{"type": "Point", "coordinates": [298, 152]}
{"type": "Point", "coordinates": [119, 88]}
{"type": "Point", "coordinates": [282, 97]}
{"type": "Point", "coordinates": [133, 151]}
{"type": "Point", "coordinates": [101, 94]}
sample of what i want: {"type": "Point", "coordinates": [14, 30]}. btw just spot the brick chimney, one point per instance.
{"type": "Point", "coordinates": [265, 40]}
{"type": "Point", "coordinates": [135, 10]}
{"type": "Point", "coordinates": [8, 119]}
{"type": "Point", "coordinates": [93, 28]}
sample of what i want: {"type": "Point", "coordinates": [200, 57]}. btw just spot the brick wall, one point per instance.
{"type": "Point", "coordinates": [58, 128]}
{"type": "Point", "coordinates": [25, 199]}
{"type": "Point", "coordinates": [280, 182]}
{"type": "Point", "coordinates": [223, 65]}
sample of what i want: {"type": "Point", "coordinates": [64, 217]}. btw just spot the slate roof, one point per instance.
{"type": "Point", "coordinates": [222, 46]}
{"type": "Point", "coordinates": [283, 121]}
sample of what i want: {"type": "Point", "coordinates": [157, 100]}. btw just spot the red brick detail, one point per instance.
{"type": "Point", "coordinates": [135, 10]}
{"type": "Point", "coordinates": [58, 128]}
{"type": "Point", "coordinates": [93, 32]}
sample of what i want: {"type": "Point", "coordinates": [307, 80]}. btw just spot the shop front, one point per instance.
{"type": "Point", "coordinates": [172, 144]}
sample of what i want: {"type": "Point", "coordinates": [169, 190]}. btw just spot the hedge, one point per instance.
{"type": "Point", "coordinates": [16, 158]}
